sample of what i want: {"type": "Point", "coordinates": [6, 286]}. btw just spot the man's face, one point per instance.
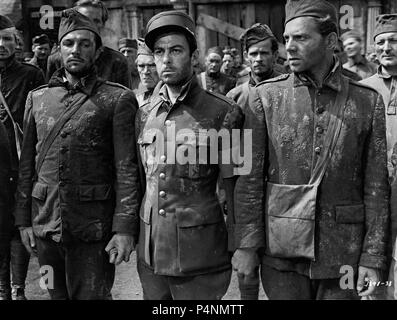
{"type": "Point", "coordinates": [213, 62]}
{"type": "Point", "coordinates": [147, 71]}
{"type": "Point", "coordinates": [41, 51]}
{"type": "Point", "coordinates": [386, 49]}
{"type": "Point", "coordinates": [95, 14]}
{"type": "Point", "coordinates": [261, 58]}
{"type": "Point", "coordinates": [304, 44]}
{"type": "Point", "coordinates": [7, 44]}
{"type": "Point", "coordinates": [172, 57]}
{"type": "Point", "coordinates": [352, 47]}
{"type": "Point", "coordinates": [130, 54]}
{"type": "Point", "coordinates": [78, 51]}
{"type": "Point", "coordinates": [227, 62]}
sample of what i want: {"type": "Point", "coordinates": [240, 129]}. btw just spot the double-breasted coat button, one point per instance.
{"type": "Point", "coordinates": [317, 150]}
{"type": "Point", "coordinates": [162, 212]}
{"type": "Point", "coordinates": [162, 194]}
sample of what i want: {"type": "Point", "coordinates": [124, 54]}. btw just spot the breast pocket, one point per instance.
{"type": "Point", "coordinates": [39, 196]}
{"type": "Point", "coordinates": [149, 152]}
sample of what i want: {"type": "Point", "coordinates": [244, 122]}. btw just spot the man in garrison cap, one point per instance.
{"type": "Point", "coordinates": [78, 188]}
{"type": "Point", "coordinates": [147, 73]}
{"type": "Point", "coordinates": [182, 251]}
{"type": "Point", "coordinates": [385, 82]}
{"type": "Point", "coordinates": [17, 79]}
{"type": "Point", "coordinates": [111, 64]}
{"type": "Point", "coordinates": [356, 62]}
{"type": "Point", "coordinates": [260, 51]}
{"type": "Point", "coordinates": [128, 48]}
{"type": "Point", "coordinates": [41, 51]}
{"type": "Point", "coordinates": [316, 201]}
{"type": "Point", "coordinates": [212, 79]}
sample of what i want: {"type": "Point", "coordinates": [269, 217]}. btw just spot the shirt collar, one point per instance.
{"type": "Point", "coordinates": [85, 85]}
{"type": "Point", "coordinates": [382, 73]}
{"type": "Point", "coordinates": [332, 80]}
{"type": "Point", "coordinates": [360, 60]}
{"type": "Point", "coordinates": [163, 93]}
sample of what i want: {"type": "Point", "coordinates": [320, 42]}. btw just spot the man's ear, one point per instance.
{"type": "Point", "coordinates": [275, 56]}
{"type": "Point", "coordinates": [332, 41]}
{"type": "Point", "coordinates": [195, 56]}
{"type": "Point", "coordinates": [98, 52]}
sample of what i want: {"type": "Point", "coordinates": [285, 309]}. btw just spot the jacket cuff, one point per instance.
{"type": "Point", "coordinates": [249, 236]}
{"type": "Point", "coordinates": [373, 261]}
{"type": "Point", "coordinates": [125, 223]}
{"type": "Point", "coordinates": [22, 218]}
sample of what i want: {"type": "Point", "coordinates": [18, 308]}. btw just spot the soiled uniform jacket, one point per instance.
{"type": "Point", "coordinates": [221, 84]}
{"type": "Point", "coordinates": [183, 231]}
{"type": "Point", "coordinates": [88, 184]}
{"type": "Point", "coordinates": [289, 121]}
{"type": "Point", "coordinates": [17, 79]}
{"type": "Point", "coordinates": [5, 190]}
{"type": "Point", "coordinates": [42, 64]}
{"type": "Point", "coordinates": [111, 65]}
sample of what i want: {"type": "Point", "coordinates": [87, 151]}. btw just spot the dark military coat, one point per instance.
{"type": "Point", "coordinates": [88, 184]}
{"type": "Point", "coordinates": [221, 84]}
{"type": "Point", "coordinates": [183, 231]}
{"type": "Point", "coordinates": [5, 188]}
{"type": "Point", "coordinates": [289, 119]}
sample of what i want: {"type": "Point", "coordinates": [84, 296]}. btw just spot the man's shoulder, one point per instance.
{"type": "Point", "coordinates": [362, 86]}
{"type": "Point", "coordinates": [115, 88]}
{"type": "Point", "coordinates": [37, 92]}
{"type": "Point", "coordinates": [372, 80]}
{"type": "Point", "coordinates": [281, 80]}
{"type": "Point", "coordinates": [30, 67]}
{"type": "Point", "coordinates": [218, 98]}
{"type": "Point", "coordinates": [109, 53]}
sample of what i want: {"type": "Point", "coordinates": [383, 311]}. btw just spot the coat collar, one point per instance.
{"type": "Point", "coordinates": [86, 84]}
{"type": "Point", "coordinates": [360, 60]}
{"type": "Point", "coordinates": [332, 80]}
{"type": "Point", "coordinates": [11, 63]}
{"type": "Point", "coordinates": [382, 73]}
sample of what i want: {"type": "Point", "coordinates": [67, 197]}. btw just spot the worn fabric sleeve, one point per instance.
{"type": "Point", "coordinates": [26, 168]}
{"type": "Point", "coordinates": [127, 187]}
{"type": "Point", "coordinates": [250, 187]}
{"type": "Point", "coordinates": [376, 193]}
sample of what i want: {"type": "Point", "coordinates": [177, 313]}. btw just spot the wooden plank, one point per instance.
{"type": "Point", "coordinates": [234, 19]}
{"type": "Point", "coordinates": [212, 39]}
{"type": "Point", "coordinates": [249, 15]}
{"type": "Point", "coordinates": [222, 15]}
{"type": "Point", "coordinates": [201, 34]}
{"type": "Point", "coordinates": [277, 18]}
{"type": "Point", "coordinates": [212, 23]}
{"type": "Point", "coordinates": [262, 13]}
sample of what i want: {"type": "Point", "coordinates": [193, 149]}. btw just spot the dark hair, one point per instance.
{"type": "Point", "coordinates": [177, 30]}
{"type": "Point", "coordinates": [326, 26]}
{"type": "Point", "coordinates": [273, 42]}
{"type": "Point", "coordinates": [95, 4]}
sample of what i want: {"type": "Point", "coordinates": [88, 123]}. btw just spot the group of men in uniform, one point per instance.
{"type": "Point", "coordinates": [104, 171]}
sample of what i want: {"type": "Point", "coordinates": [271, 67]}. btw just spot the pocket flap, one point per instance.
{"type": "Point", "coordinates": [291, 201]}
{"type": "Point", "coordinates": [40, 191]}
{"type": "Point", "coordinates": [95, 192]}
{"type": "Point", "coordinates": [349, 213]}
{"type": "Point", "coordinates": [192, 217]}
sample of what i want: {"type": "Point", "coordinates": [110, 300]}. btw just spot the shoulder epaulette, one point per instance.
{"type": "Point", "coordinates": [281, 77]}
{"type": "Point", "coordinates": [221, 97]}
{"type": "Point", "coordinates": [115, 84]}
{"type": "Point", "coordinates": [40, 87]}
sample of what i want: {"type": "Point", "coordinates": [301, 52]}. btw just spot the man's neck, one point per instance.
{"type": "Point", "coordinates": [173, 92]}
{"type": "Point", "coordinates": [213, 74]}
{"type": "Point", "coordinates": [319, 74]}
{"type": "Point", "coordinates": [261, 77]}
{"type": "Point", "coordinates": [356, 59]}
{"type": "Point", "coordinates": [71, 78]}
{"type": "Point", "coordinates": [5, 62]}
{"type": "Point", "coordinates": [391, 70]}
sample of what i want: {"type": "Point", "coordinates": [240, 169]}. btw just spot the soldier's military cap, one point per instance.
{"type": "Point", "coordinates": [385, 23]}
{"type": "Point", "coordinates": [351, 34]}
{"type": "Point", "coordinates": [310, 8]}
{"type": "Point", "coordinates": [73, 20]}
{"type": "Point", "coordinates": [41, 39]}
{"type": "Point", "coordinates": [254, 34]}
{"type": "Point", "coordinates": [126, 42]}
{"type": "Point", "coordinates": [143, 48]}
{"type": "Point", "coordinates": [168, 22]}
{"type": "Point", "coordinates": [5, 23]}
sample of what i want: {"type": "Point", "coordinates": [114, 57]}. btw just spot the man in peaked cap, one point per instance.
{"type": "Point", "coordinates": [111, 64]}
{"type": "Point", "coordinates": [260, 50]}
{"type": "Point", "coordinates": [17, 79]}
{"type": "Point", "coordinates": [147, 73]}
{"type": "Point", "coordinates": [318, 206]}
{"type": "Point", "coordinates": [385, 82]}
{"type": "Point", "coordinates": [212, 78]}
{"type": "Point", "coordinates": [356, 62]}
{"type": "Point", "coordinates": [128, 48]}
{"type": "Point", "coordinates": [182, 250]}
{"type": "Point", "coordinates": [78, 193]}
{"type": "Point", "coordinates": [41, 51]}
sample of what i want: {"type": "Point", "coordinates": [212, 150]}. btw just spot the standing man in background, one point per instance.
{"type": "Point", "coordinates": [385, 82]}
{"type": "Point", "coordinates": [41, 50]}
{"type": "Point", "coordinates": [356, 62]}
{"type": "Point", "coordinates": [16, 80]}
{"type": "Point", "coordinates": [111, 64]}
{"type": "Point", "coordinates": [128, 48]}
